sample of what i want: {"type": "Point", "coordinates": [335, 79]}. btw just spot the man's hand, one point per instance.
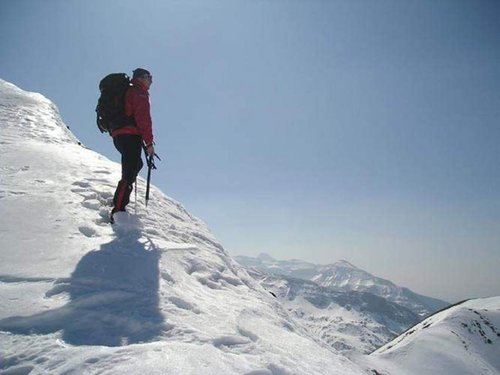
{"type": "Point", "coordinates": [150, 150]}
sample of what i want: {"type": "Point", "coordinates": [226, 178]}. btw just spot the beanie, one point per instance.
{"type": "Point", "coordinates": [140, 72]}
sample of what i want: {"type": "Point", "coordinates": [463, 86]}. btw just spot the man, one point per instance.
{"type": "Point", "coordinates": [129, 139]}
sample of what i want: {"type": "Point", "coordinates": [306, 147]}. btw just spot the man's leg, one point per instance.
{"type": "Point", "coordinates": [130, 148]}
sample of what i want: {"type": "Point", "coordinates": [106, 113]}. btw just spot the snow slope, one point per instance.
{"type": "Point", "coordinates": [154, 294]}
{"type": "Point", "coordinates": [461, 340]}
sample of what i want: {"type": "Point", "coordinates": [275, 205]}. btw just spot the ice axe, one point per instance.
{"type": "Point", "coordinates": [151, 165]}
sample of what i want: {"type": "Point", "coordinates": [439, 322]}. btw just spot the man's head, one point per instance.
{"type": "Point", "coordinates": [144, 76]}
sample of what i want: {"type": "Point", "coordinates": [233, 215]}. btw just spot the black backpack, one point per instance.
{"type": "Point", "coordinates": [111, 104]}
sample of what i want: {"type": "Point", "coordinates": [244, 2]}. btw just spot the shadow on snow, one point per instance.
{"type": "Point", "coordinates": [113, 298]}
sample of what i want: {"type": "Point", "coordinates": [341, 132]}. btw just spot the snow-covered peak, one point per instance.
{"type": "Point", "coordinates": [154, 294]}
{"type": "Point", "coordinates": [266, 257]}
{"type": "Point", "coordinates": [344, 264]}
{"type": "Point", "coordinates": [463, 339]}
{"type": "Point", "coordinates": [27, 116]}
{"type": "Point", "coordinates": [344, 276]}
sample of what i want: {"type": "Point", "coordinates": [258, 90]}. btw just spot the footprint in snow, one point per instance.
{"type": "Point", "coordinates": [21, 370]}
{"type": "Point", "coordinates": [260, 372]}
{"type": "Point", "coordinates": [87, 231]}
{"type": "Point", "coordinates": [229, 341]}
{"type": "Point", "coordinates": [234, 344]}
{"type": "Point", "coordinates": [103, 182]}
{"type": "Point", "coordinates": [166, 276]}
{"type": "Point", "coordinates": [92, 204]}
{"type": "Point", "coordinates": [184, 305]}
{"type": "Point", "coordinates": [82, 184]}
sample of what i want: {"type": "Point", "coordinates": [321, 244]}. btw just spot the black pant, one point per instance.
{"type": "Point", "coordinates": [130, 147]}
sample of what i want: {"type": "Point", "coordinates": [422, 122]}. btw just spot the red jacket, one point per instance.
{"type": "Point", "coordinates": [137, 105]}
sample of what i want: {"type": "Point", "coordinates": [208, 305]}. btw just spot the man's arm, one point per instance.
{"type": "Point", "coordinates": [142, 117]}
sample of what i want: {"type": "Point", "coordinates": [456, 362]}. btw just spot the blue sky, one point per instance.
{"type": "Point", "coordinates": [313, 129]}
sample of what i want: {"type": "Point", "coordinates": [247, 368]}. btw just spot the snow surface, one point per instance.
{"type": "Point", "coordinates": [461, 340]}
{"type": "Point", "coordinates": [153, 294]}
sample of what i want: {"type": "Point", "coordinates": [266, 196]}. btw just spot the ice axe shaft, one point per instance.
{"type": "Point", "coordinates": [151, 165]}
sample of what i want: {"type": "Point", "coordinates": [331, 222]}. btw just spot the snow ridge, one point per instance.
{"type": "Point", "coordinates": [462, 339]}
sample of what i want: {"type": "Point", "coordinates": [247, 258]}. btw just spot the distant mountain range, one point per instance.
{"type": "Point", "coordinates": [347, 321]}
{"type": "Point", "coordinates": [343, 276]}
{"type": "Point", "coordinates": [340, 304]}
